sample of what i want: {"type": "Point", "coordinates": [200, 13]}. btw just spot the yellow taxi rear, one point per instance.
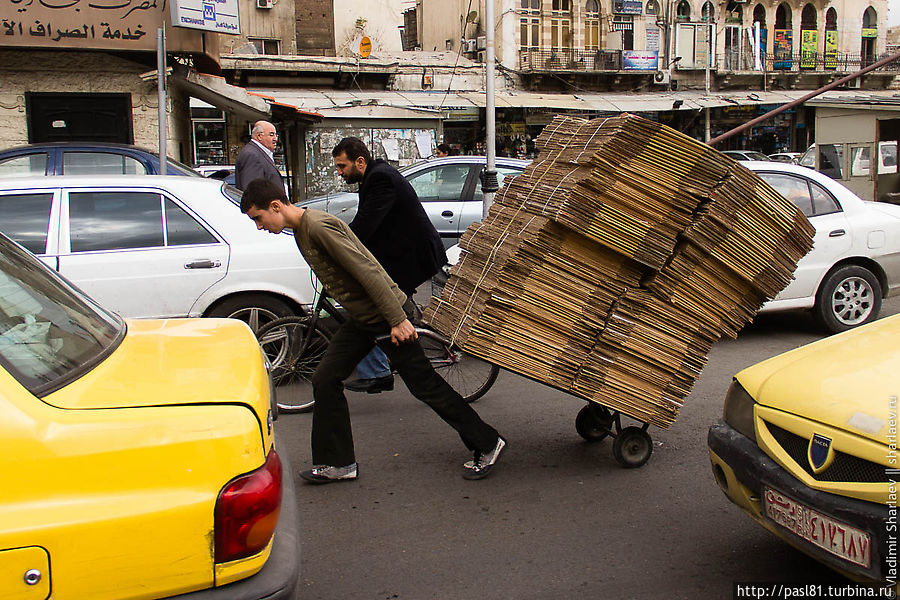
{"type": "Point", "coordinates": [808, 447]}
{"type": "Point", "coordinates": [138, 458]}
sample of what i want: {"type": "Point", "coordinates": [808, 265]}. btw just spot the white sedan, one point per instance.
{"type": "Point", "coordinates": [159, 247]}
{"type": "Point", "coordinates": [855, 260]}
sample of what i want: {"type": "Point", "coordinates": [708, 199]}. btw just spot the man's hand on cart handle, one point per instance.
{"type": "Point", "coordinates": [403, 332]}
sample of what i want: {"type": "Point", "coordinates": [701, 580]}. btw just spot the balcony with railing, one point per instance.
{"type": "Point", "coordinates": [729, 62]}
{"type": "Point", "coordinates": [570, 60]}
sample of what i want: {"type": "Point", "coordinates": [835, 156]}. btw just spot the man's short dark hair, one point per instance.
{"type": "Point", "coordinates": [259, 193]}
{"type": "Point", "coordinates": [445, 148]}
{"type": "Point", "coordinates": [353, 148]}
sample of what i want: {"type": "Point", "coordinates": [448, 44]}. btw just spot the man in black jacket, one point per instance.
{"type": "Point", "coordinates": [256, 160]}
{"type": "Point", "coordinates": [393, 225]}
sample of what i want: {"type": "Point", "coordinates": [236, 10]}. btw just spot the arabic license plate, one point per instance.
{"type": "Point", "coordinates": [840, 539]}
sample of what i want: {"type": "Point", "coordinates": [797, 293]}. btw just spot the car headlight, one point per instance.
{"type": "Point", "coordinates": [739, 410]}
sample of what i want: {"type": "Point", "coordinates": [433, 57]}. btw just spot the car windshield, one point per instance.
{"type": "Point", "coordinates": [50, 332]}
{"type": "Point", "coordinates": [171, 163]}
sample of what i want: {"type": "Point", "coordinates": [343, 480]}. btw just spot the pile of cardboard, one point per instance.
{"type": "Point", "coordinates": [614, 262]}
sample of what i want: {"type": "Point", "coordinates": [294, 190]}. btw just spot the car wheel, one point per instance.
{"type": "Point", "coordinates": [253, 309]}
{"type": "Point", "coordinates": [849, 297]}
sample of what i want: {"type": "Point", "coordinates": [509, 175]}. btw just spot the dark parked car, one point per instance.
{"type": "Point", "coordinates": [85, 158]}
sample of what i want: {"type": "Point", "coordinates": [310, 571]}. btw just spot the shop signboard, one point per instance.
{"type": "Point", "coordinates": [870, 32]}
{"type": "Point", "coordinates": [220, 16]}
{"type": "Point", "coordinates": [831, 49]}
{"type": "Point", "coordinates": [465, 113]}
{"type": "Point", "coordinates": [628, 7]}
{"type": "Point", "coordinates": [809, 39]}
{"type": "Point", "coordinates": [634, 60]}
{"type": "Point", "coordinates": [652, 43]}
{"type": "Point", "coordinates": [783, 49]}
{"type": "Point", "coordinates": [93, 24]}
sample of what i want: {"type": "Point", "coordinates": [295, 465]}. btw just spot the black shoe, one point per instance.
{"type": "Point", "coordinates": [482, 463]}
{"type": "Point", "coordinates": [326, 474]}
{"type": "Point", "coordinates": [371, 386]}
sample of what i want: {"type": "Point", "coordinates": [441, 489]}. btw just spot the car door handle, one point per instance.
{"type": "Point", "coordinates": [447, 213]}
{"type": "Point", "coordinates": [837, 233]}
{"type": "Point", "coordinates": [203, 264]}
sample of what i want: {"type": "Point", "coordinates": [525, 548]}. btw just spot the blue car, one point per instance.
{"type": "Point", "coordinates": [85, 158]}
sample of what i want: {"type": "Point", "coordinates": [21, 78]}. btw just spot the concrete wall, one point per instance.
{"type": "Point", "coordinates": [276, 23]}
{"type": "Point", "coordinates": [382, 20]}
{"type": "Point", "coordinates": [23, 71]}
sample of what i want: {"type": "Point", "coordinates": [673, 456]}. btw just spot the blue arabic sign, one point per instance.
{"type": "Point", "coordinates": [634, 60]}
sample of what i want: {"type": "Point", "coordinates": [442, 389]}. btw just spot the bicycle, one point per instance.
{"type": "Point", "coordinates": [295, 345]}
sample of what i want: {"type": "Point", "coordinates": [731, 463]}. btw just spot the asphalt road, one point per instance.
{"type": "Point", "coordinates": [557, 519]}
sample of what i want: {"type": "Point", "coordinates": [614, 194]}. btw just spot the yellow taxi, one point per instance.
{"type": "Point", "coordinates": [807, 447]}
{"type": "Point", "coordinates": [137, 457]}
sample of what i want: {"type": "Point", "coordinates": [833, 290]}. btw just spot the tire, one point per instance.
{"type": "Point", "coordinates": [255, 310]}
{"type": "Point", "coordinates": [849, 297]}
{"type": "Point", "coordinates": [282, 341]}
{"type": "Point", "coordinates": [593, 422]}
{"type": "Point", "coordinates": [632, 447]}
{"type": "Point", "coordinates": [469, 375]}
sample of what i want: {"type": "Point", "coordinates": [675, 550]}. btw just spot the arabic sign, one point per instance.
{"type": "Point", "coordinates": [831, 49]}
{"type": "Point", "coordinates": [628, 7]}
{"type": "Point", "coordinates": [220, 16]}
{"type": "Point", "coordinates": [97, 24]}
{"type": "Point", "coordinates": [633, 60]}
{"type": "Point", "coordinates": [809, 39]}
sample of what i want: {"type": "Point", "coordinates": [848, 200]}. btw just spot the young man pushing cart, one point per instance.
{"type": "Point", "coordinates": [376, 307]}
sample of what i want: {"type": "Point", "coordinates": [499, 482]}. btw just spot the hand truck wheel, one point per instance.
{"type": "Point", "coordinates": [594, 422]}
{"type": "Point", "coordinates": [632, 447]}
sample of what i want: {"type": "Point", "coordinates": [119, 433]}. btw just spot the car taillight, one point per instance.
{"type": "Point", "coordinates": [247, 512]}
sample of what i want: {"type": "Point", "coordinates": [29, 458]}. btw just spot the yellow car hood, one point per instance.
{"type": "Point", "coordinates": [848, 381]}
{"type": "Point", "coordinates": [172, 362]}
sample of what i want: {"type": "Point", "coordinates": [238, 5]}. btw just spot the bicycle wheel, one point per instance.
{"type": "Point", "coordinates": [469, 375]}
{"type": "Point", "coordinates": [293, 359]}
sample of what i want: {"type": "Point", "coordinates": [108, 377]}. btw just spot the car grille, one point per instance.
{"type": "Point", "coordinates": [845, 467]}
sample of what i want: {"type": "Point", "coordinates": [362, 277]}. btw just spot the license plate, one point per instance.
{"type": "Point", "coordinates": [840, 539]}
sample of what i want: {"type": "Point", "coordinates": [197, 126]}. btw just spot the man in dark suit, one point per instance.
{"type": "Point", "coordinates": [256, 160]}
{"type": "Point", "coordinates": [393, 225]}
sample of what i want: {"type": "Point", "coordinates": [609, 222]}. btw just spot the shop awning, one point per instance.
{"type": "Point", "coordinates": [215, 91]}
{"type": "Point", "coordinates": [422, 104]}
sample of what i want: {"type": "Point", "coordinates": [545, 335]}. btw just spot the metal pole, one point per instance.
{"type": "Point", "coordinates": [161, 92]}
{"type": "Point", "coordinates": [799, 101]}
{"type": "Point", "coordinates": [489, 180]}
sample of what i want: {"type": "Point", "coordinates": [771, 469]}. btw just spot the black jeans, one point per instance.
{"type": "Point", "coordinates": [332, 438]}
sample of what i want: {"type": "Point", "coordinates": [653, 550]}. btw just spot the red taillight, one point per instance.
{"type": "Point", "coordinates": [247, 511]}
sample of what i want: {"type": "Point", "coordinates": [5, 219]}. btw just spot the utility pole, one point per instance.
{"type": "Point", "coordinates": [489, 179]}
{"type": "Point", "coordinates": [161, 94]}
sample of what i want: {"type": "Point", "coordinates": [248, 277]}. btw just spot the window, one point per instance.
{"type": "Point", "coordinates": [652, 7]}
{"type": "Point", "coordinates": [51, 333]}
{"type": "Point", "coordinates": [811, 198]}
{"type": "Point", "coordinates": [264, 46]}
{"type": "Point", "coordinates": [683, 13]}
{"type": "Point", "coordinates": [25, 219]}
{"type": "Point", "coordinates": [860, 162]}
{"type": "Point", "coordinates": [28, 164]}
{"type": "Point", "coordinates": [442, 184]}
{"type": "Point", "coordinates": [708, 13]}
{"type": "Point", "coordinates": [531, 34]}
{"type": "Point", "coordinates": [502, 174]}
{"type": "Point", "coordinates": [101, 163]}
{"type": "Point", "coordinates": [561, 6]}
{"type": "Point", "coordinates": [531, 5]}
{"type": "Point", "coordinates": [182, 229]}
{"type": "Point", "coordinates": [560, 36]}
{"type": "Point", "coordinates": [114, 220]}
{"type": "Point", "coordinates": [592, 26]}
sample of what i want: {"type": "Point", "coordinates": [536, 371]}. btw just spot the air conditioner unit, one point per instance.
{"type": "Point", "coordinates": [662, 77]}
{"type": "Point", "coordinates": [482, 56]}
{"type": "Point", "coordinates": [469, 46]}
{"type": "Point", "coordinates": [481, 42]}
{"type": "Point", "coordinates": [265, 3]}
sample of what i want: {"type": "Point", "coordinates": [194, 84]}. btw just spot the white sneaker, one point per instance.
{"type": "Point", "coordinates": [482, 462]}
{"type": "Point", "coordinates": [328, 474]}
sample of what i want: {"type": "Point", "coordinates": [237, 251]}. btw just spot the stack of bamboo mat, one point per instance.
{"type": "Point", "coordinates": [612, 264]}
